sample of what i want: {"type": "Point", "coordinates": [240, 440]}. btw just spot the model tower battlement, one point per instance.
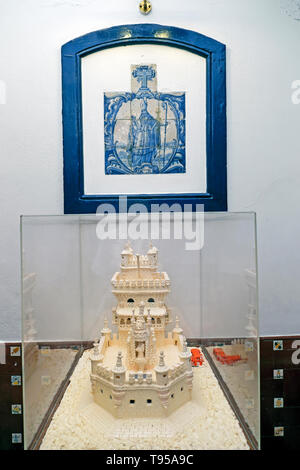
{"type": "Point", "coordinates": [141, 371]}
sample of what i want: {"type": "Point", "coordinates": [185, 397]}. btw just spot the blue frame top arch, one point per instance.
{"type": "Point", "coordinates": [215, 199]}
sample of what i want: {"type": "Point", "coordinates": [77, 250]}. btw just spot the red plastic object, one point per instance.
{"type": "Point", "coordinates": [224, 358]}
{"type": "Point", "coordinates": [197, 358]}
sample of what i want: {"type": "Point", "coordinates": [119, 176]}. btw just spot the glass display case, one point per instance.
{"type": "Point", "coordinates": [139, 326]}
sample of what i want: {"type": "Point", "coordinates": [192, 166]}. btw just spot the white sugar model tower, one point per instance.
{"type": "Point", "coordinates": [141, 371]}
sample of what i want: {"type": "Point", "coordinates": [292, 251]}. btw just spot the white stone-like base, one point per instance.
{"type": "Point", "coordinates": [206, 422]}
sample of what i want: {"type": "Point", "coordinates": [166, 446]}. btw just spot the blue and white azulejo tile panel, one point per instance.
{"type": "Point", "coordinates": [144, 130]}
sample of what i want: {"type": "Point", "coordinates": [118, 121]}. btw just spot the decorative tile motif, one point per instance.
{"type": "Point", "coordinates": [45, 350]}
{"type": "Point", "coordinates": [15, 350]}
{"type": "Point", "coordinates": [45, 380]}
{"type": "Point", "coordinates": [249, 402]}
{"type": "Point", "coordinates": [16, 409]}
{"type": "Point", "coordinates": [278, 373]}
{"type": "Point", "coordinates": [278, 345]}
{"type": "Point", "coordinates": [249, 347]}
{"type": "Point", "coordinates": [278, 431]}
{"type": "Point", "coordinates": [15, 380]}
{"type": "Point", "coordinates": [2, 353]}
{"type": "Point", "coordinates": [249, 374]}
{"type": "Point", "coordinates": [278, 402]}
{"type": "Point", "coordinates": [16, 438]}
{"type": "Point", "coordinates": [144, 131]}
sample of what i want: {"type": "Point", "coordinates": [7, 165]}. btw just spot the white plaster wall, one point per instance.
{"type": "Point", "coordinates": [263, 49]}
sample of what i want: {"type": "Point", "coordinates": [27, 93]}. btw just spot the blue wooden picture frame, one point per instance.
{"type": "Point", "coordinates": [215, 199]}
